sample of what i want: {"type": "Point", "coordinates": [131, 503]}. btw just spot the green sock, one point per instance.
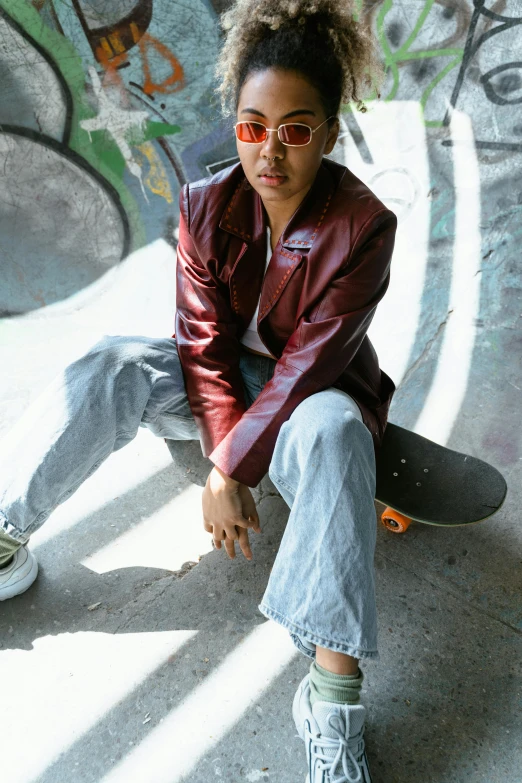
{"type": "Point", "coordinates": [8, 547]}
{"type": "Point", "coordinates": [337, 688]}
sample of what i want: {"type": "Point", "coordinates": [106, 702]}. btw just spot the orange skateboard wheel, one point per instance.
{"type": "Point", "coordinates": [395, 522]}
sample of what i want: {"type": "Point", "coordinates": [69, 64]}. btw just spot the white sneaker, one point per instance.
{"type": "Point", "coordinates": [333, 736]}
{"type": "Point", "coordinates": [19, 575]}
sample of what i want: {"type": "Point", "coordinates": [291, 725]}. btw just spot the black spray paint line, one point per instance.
{"type": "Point", "coordinates": [66, 93]}
{"type": "Point", "coordinates": [140, 16]}
{"type": "Point", "coordinates": [470, 50]}
{"type": "Point", "coordinates": [67, 152]}
{"type": "Point", "coordinates": [509, 146]}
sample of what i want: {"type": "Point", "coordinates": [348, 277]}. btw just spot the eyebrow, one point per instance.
{"type": "Point", "coordinates": [286, 116]}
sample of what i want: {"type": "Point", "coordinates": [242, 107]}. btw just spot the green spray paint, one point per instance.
{"type": "Point", "coordinates": [403, 54]}
{"type": "Point", "coordinates": [103, 154]}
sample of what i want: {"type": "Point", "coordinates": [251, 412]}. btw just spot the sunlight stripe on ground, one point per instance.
{"type": "Point", "coordinates": [448, 389]}
{"type": "Point", "coordinates": [122, 472]}
{"type": "Point", "coordinates": [65, 685]}
{"type": "Point", "coordinates": [174, 747]}
{"type": "Point", "coordinates": [167, 538]}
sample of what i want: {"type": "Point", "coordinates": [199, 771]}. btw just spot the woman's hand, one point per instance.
{"type": "Point", "coordinates": [228, 511]}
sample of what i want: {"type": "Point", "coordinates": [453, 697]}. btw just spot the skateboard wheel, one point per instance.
{"type": "Point", "coordinates": [395, 522]}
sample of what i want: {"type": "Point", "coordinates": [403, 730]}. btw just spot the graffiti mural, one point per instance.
{"type": "Point", "coordinates": [112, 116]}
{"type": "Point", "coordinates": [489, 86]}
{"type": "Point", "coordinates": [107, 109]}
{"type": "Point", "coordinates": [421, 50]}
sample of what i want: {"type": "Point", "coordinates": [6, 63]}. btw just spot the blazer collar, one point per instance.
{"type": "Point", "coordinates": [245, 216]}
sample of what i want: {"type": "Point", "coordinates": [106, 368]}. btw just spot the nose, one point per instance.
{"type": "Point", "coordinates": [272, 147]}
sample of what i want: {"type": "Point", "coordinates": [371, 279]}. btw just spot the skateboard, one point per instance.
{"type": "Point", "coordinates": [420, 480]}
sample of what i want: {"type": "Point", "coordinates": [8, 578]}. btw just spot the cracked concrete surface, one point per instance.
{"type": "Point", "coordinates": [430, 342]}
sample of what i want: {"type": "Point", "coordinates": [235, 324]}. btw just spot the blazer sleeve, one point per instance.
{"type": "Point", "coordinates": [322, 345]}
{"type": "Point", "coordinates": [205, 332]}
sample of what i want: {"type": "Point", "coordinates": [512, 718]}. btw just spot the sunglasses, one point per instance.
{"type": "Point", "coordinates": [291, 134]}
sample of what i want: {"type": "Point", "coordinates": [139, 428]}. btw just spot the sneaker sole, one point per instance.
{"type": "Point", "coordinates": [23, 585]}
{"type": "Point", "coordinates": [295, 713]}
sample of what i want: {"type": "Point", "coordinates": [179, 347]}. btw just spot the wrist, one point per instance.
{"type": "Point", "coordinates": [227, 479]}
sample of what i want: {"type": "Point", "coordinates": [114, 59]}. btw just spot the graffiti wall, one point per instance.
{"type": "Point", "coordinates": [107, 109]}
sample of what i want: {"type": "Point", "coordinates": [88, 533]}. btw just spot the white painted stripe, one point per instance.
{"type": "Point", "coordinates": [449, 385]}
{"type": "Point", "coordinates": [399, 175]}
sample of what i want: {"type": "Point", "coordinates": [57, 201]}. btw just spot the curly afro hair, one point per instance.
{"type": "Point", "coordinates": [320, 39]}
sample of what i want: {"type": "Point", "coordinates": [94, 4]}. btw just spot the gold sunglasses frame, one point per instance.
{"type": "Point", "coordinates": [269, 130]}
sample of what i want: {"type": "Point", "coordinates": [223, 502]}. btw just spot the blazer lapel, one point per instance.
{"type": "Point", "coordinates": [245, 217]}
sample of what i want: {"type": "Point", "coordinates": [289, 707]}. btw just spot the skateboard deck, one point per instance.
{"type": "Point", "coordinates": [420, 480]}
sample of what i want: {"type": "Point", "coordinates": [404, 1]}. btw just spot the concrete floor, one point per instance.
{"type": "Point", "coordinates": [126, 661]}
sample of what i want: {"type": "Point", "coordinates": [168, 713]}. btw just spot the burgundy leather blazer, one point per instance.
{"type": "Point", "coordinates": [329, 271]}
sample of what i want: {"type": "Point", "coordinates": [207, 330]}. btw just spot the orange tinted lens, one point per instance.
{"type": "Point", "coordinates": [295, 134]}
{"type": "Point", "coordinates": [251, 132]}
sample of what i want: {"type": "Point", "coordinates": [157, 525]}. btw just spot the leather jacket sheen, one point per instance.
{"type": "Point", "coordinates": [328, 272]}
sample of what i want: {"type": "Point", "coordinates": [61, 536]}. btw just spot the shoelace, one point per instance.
{"type": "Point", "coordinates": [347, 750]}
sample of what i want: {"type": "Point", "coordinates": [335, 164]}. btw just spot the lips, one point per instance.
{"type": "Point", "coordinates": [272, 173]}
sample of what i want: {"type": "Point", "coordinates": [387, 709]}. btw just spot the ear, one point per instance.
{"type": "Point", "coordinates": [332, 137]}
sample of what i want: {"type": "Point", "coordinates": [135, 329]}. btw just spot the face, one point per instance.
{"type": "Point", "coordinates": [274, 97]}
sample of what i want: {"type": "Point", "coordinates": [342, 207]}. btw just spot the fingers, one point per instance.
{"type": "Point", "coordinates": [240, 535]}
{"type": "Point", "coordinates": [246, 523]}
{"type": "Point", "coordinates": [230, 547]}
{"type": "Point", "coordinates": [218, 535]}
{"type": "Point", "coordinates": [256, 525]}
{"type": "Point", "coordinates": [230, 534]}
{"type": "Point", "coordinates": [244, 543]}
{"type": "Point", "coordinates": [239, 522]}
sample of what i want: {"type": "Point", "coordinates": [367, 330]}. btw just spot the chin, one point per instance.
{"type": "Point", "coordinates": [274, 193]}
{"type": "Point", "coordinates": [270, 194]}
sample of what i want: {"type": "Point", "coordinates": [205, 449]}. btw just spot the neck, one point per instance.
{"type": "Point", "coordinates": [279, 213]}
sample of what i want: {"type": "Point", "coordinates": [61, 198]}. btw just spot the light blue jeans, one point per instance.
{"type": "Point", "coordinates": [321, 587]}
